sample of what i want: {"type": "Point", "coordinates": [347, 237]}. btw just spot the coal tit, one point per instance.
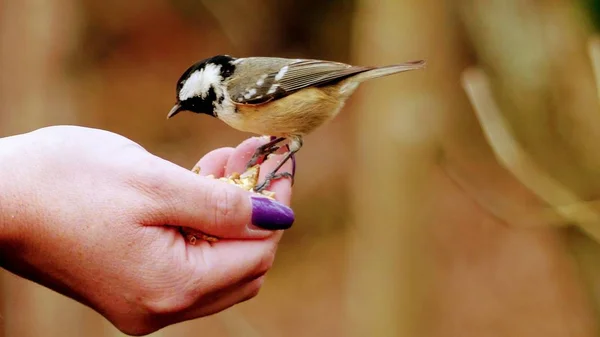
{"type": "Point", "coordinates": [278, 97]}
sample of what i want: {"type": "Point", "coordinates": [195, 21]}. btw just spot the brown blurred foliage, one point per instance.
{"type": "Point", "coordinates": [411, 221]}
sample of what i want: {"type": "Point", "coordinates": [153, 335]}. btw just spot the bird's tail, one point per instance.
{"type": "Point", "coordinates": [389, 70]}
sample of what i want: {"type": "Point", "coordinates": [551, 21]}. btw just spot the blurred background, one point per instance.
{"type": "Point", "coordinates": [439, 202]}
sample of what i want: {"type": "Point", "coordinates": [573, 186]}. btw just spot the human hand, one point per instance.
{"type": "Point", "coordinates": [94, 216]}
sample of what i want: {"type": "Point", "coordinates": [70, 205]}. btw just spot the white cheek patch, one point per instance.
{"type": "Point", "coordinates": [200, 81]}
{"type": "Point", "coordinates": [281, 73]}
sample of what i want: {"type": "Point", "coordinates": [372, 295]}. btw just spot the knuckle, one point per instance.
{"type": "Point", "coordinates": [265, 263]}
{"type": "Point", "coordinates": [161, 306]}
{"type": "Point", "coordinates": [172, 300]}
{"type": "Point", "coordinates": [170, 297]}
{"type": "Point", "coordinates": [162, 309]}
{"type": "Point", "coordinates": [254, 289]}
{"type": "Point", "coordinates": [225, 202]}
{"type": "Point", "coordinates": [149, 175]}
{"type": "Point", "coordinates": [150, 179]}
{"type": "Point", "coordinates": [252, 294]}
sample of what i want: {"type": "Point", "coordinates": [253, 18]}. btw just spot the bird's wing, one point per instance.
{"type": "Point", "coordinates": [284, 78]}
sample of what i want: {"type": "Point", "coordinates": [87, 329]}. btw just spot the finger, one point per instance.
{"type": "Point", "coordinates": [227, 263]}
{"type": "Point", "coordinates": [243, 153]}
{"type": "Point", "coordinates": [216, 207]}
{"type": "Point", "coordinates": [281, 187]}
{"type": "Point", "coordinates": [215, 302]}
{"type": "Point", "coordinates": [214, 162]}
{"type": "Point", "coordinates": [225, 299]}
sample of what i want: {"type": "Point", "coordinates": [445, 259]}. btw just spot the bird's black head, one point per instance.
{"type": "Point", "coordinates": [200, 86]}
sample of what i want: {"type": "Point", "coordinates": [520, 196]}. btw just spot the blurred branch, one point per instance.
{"type": "Point", "coordinates": [535, 53]}
{"type": "Point", "coordinates": [518, 162]}
{"type": "Point", "coordinates": [397, 143]}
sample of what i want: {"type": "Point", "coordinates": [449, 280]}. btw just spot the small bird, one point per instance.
{"type": "Point", "coordinates": [278, 97]}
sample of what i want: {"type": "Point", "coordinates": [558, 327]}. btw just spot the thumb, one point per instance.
{"type": "Point", "coordinates": [218, 208]}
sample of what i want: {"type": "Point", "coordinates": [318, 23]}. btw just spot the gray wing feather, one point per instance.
{"type": "Point", "coordinates": [310, 73]}
{"type": "Point", "coordinates": [273, 79]}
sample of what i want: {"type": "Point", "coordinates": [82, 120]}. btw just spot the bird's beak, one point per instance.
{"type": "Point", "coordinates": [175, 110]}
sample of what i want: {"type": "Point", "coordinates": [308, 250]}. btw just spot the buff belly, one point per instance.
{"type": "Point", "coordinates": [297, 114]}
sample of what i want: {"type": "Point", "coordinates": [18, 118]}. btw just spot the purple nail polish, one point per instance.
{"type": "Point", "coordinates": [271, 215]}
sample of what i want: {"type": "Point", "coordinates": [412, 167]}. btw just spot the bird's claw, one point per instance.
{"type": "Point", "coordinates": [273, 176]}
{"type": "Point", "coordinates": [260, 153]}
{"type": "Point", "coordinates": [264, 151]}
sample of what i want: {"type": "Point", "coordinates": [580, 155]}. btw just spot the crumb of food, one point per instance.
{"type": "Point", "coordinates": [246, 181]}
{"type": "Point", "coordinates": [192, 236]}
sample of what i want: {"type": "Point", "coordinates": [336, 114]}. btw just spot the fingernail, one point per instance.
{"type": "Point", "coordinates": [271, 215]}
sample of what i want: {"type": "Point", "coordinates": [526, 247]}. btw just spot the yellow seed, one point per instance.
{"type": "Point", "coordinates": [246, 181]}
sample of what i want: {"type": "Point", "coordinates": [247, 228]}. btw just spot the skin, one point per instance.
{"type": "Point", "coordinates": [84, 212]}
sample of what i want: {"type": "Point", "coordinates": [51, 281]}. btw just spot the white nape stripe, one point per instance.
{"type": "Point", "coordinates": [200, 81]}
{"type": "Point", "coordinates": [281, 73]}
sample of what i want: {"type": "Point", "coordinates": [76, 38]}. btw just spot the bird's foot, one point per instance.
{"type": "Point", "coordinates": [293, 158]}
{"type": "Point", "coordinates": [263, 151]}
{"type": "Point", "coordinates": [271, 177]}
{"type": "Point", "coordinates": [260, 155]}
